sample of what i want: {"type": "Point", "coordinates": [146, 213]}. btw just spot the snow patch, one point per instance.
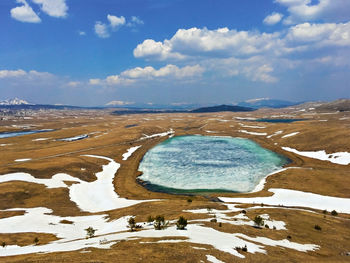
{"type": "Point", "coordinates": [342, 158]}
{"type": "Point", "coordinates": [129, 152]}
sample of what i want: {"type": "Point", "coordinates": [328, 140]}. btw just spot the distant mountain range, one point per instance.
{"type": "Point", "coordinates": [219, 108]}
{"type": "Point", "coordinates": [15, 101]}
{"type": "Point", "coordinates": [266, 103]}
{"type": "Point", "coordinates": [222, 108]}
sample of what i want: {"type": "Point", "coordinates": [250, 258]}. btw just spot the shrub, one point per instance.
{"type": "Point", "coordinates": [325, 212]}
{"type": "Point", "coordinates": [3, 244]}
{"type": "Point", "coordinates": [274, 228]}
{"type": "Point", "coordinates": [267, 226]}
{"type": "Point", "coordinates": [220, 225]}
{"type": "Point", "coordinates": [90, 232]}
{"type": "Point", "coordinates": [132, 224]}
{"type": "Point", "coordinates": [36, 240]}
{"type": "Point", "coordinates": [150, 219]}
{"type": "Point", "coordinates": [189, 200]}
{"type": "Point", "coordinates": [317, 227]}
{"type": "Point", "coordinates": [159, 223]}
{"type": "Point", "coordinates": [213, 220]}
{"type": "Point", "coordinates": [181, 223]}
{"type": "Point", "coordinates": [243, 212]}
{"type": "Point", "coordinates": [245, 249]}
{"type": "Point", "coordinates": [258, 220]}
{"type": "Point", "coordinates": [334, 213]}
{"type": "Point", "coordinates": [289, 237]}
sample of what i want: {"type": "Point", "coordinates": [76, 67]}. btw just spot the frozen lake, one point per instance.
{"type": "Point", "coordinates": [208, 163]}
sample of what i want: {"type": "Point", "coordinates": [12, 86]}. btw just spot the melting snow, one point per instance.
{"type": "Point", "coordinates": [290, 134]}
{"type": "Point", "coordinates": [129, 152]}
{"type": "Point", "coordinates": [342, 158]}
{"type": "Point", "coordinates": [288, 197]}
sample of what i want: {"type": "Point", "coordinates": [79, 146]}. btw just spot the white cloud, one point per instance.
{"type": "Point", "coordinates": [95, 81]}
{"type": "Point", "coordinates": [205, 42]}
{"type": "Point", "coordinates": [320, 35]}
{"type": "Point", "coordinates": [55, 8]}
{"type": "Point", "coordinates": [116, 21]}
{"type": "Point", "coordinates": [24, 13]}
{"type": "Point", "coordinates": [167, 72]}
{"type": "Point", "coordinates": [74, 84]}
{"type": "Point", "coordinates": [12, 73]}
{"type": "Point", "coordinates": [307, 10]}
{"type": "Point", "coordinates": [273, 19]}
{"type": "Point", "coordinates": [158, 50]}
{"type": "Point", "coordinates": [135, 21]}
{"type": "Point", "coordinates": [119, 103]}
{"type": "Point", "coordinates": [101, 30]}
{"type": "Point", "coordinates": [82, 33]}
{"type": "Point", "coordinates": [21, 74]}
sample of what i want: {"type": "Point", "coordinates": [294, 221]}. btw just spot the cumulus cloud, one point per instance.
{"type": "Point", "coordinates": [166, 71]}
{"type": "Point", "coordinates": [116, 21]}
{"type": "Point", "coordinates": [24, 13]}
{"type": "Point", "coordinates": [21, 74]}
{"type": "Point", "coordinates": [307, 10]}
{"type": "Point", "coordinates": [169, 71]}
{"type": "Point", "coordinates": [273, 19]}
{"type": "Point", "coordinates": [12, 73]}
{"type": "Point", "coordinates": [205, 42]}
{"type": "Point", "coordinates": [101, 30]}
{"type": "Point", "coordinates": [251, 54]}
{"type": "Point", "coordinates": [135, 21]}
{"type": "Point", "coordinates": [54, 8]}
{"type": "Point", "coordinates": [320, 35]}
{"type": "Point", "coordinates": [119, 103]}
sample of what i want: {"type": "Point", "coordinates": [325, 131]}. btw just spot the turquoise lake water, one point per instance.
{"type": "Point", "coordinates": [208, 163]}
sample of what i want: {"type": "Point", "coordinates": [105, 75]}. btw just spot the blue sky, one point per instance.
{"type": "Point", "coordinates": [93, 52]}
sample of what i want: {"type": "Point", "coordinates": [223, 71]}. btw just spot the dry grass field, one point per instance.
{"type": "Point", "coordinates": [111, 136]}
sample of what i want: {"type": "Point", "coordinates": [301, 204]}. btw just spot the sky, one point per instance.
{"type": "Point", "coordinates": [127, 52]}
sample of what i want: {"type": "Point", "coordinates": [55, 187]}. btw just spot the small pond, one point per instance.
{"type": "Point", "coordinates": [207, 164]}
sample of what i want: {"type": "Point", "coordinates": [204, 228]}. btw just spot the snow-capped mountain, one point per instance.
{"type": "Point", "coordinates": [15, 101]}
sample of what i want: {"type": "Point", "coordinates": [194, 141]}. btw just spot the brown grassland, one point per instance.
{"type": "Point", "coordinates": [110, 136]}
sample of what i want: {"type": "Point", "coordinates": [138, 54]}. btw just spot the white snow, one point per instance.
{"type": "Point", "coordinates": [55, 182]}
{"type": "Point", "coordinates": [23, 160]}
{"type": "Point", "coordinates": [342, 158]}
{"type": "Point", "coordinates": [96, 196]}
{"type": "Point", "coordinates": [129, 152]}
{"type": "Point", "coordinates": [40, 139]}
{"type": "Point", "coordinates": [274, 134]}
{"type": "Point", "coordinates": [251, 126]}
{"type": "Point", "coordinates": [253, 133]}
{"type": "Point", "coordinates": [100, 195]}
{"type": "Point", "coordinates": [75, 138]}
{"type": "Point", "coordinates": [162, 134]}
{"type": "Point", "coordinates": [213, 259]}
{"type": "Point", "coordinates": [293, 198]}
{"type": "Point", "coordinates": [290, 134]}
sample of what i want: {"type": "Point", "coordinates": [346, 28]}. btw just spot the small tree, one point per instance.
{"type": "Point", "coordinates": [3, 244]}
{"type": "Point", "coordinates": [159, 223]}
{"type": "Point", "coordinates": [90, 232]}
{"type": "Point", "coordinates": [132, 224]}
{"type": "Point", "coordinates": [334, 213]}
{"type": "Point", "coordinates": [181, 223]}
{"type": "Point", "coordinates": [36, 240]}
{"type": "Point", "coordinates": [258, 220]}
{"type": "Point", "coordinates": [150, 219]}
